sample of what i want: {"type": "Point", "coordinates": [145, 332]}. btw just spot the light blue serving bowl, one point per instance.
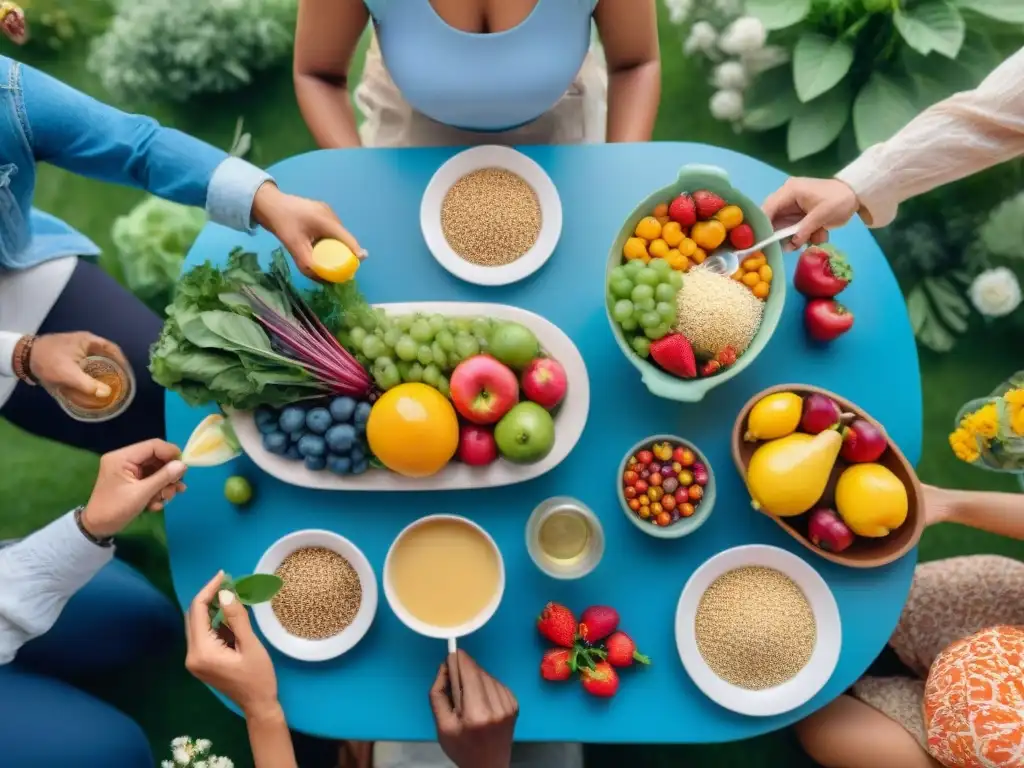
{"type": "Point", "coordinates": [690, 179]}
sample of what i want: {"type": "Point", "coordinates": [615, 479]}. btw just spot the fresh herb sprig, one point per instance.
{"type": "Point", "coordinates": [250, 590]}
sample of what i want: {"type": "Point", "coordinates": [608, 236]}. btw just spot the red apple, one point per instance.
{"type": "Point", "coordinates": [863, 441]}
{"type": "Point", "coordinates": [544, 382]}
{"type": "Point", "coordinates": [476, 446]}
{"type": "Point", "coordinates": [827, 530]}
{"type": "Point", "coordinates": [482, 389]}
{"type": "Point", "coordinates": [820, 413]}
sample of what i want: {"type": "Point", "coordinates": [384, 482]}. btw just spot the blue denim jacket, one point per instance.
{"type": "Point", "coordinates": [43, 120]}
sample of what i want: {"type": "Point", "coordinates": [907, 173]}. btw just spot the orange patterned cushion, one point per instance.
{"type": "Point", "coordinates": [974, 701]}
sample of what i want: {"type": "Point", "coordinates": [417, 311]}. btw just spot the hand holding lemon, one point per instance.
{"type": "Point", "coordinates": [333, 261]}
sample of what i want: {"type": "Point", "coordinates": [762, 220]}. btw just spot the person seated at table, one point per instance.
{"type": "Point", "coordinates": [964, 134]}
{"type": "Point", "coordinates": [48, 284]}
{"type": "Point", "coordinates": [880, 722]}
{"type": "Point", "coordinates": [68, 608]}
{"type": "Point", "coordinates": [454, 72]}
{"type": "Point", "coordinates": [478, 736]}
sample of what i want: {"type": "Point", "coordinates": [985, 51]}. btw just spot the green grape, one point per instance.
{"type": "Point", "coordinates": [665, 292]}
{"type": "Point", "coordinates": [629, 324]}
{"type": "Point", "coordinates": [437, 323]}
{"type": "Point", "coordinates": [676, 279]}
{"type": "Point", "coordinates": [439, 355]}
{"type": "Point", "coordinates": [466, 346]}
{"type": "Point", "coordinates": [650, 320]}
{"type": "Point", "coordinates": [481, 327]}
{"type": "Point", "coordinates": [666, 310]}
{"type": "Point", "coordinates": [431, 375]}
{"type": "Point", "coordinates": [404, 323]}
{"type": "Point", "coordinates": [373, 346]}
{"type": "Point", "coordinates": [460, 325]}
{"type": "Point", "coordinates": [617, 273]}
{"type": "Point", "coordinates": [647, 305]}
{"type": "Point", "coordinates": [414, 372]}
{"type": "Point", "coordinates": [647, 277]}
{"type": "Point", "coordinates": [424, 356]}
{"type": "Point", "coordinates": [642, 293]}
{"type": "Point", "coordinates": [622, 310]}
{"type": "Point", "coordinates": [656, 332]}
{"type": "Point", "coordinates": [482, 343]}
{"type": "Point", "coordinates": [356, 336]}
{"type": "Point", "coordinates": [442, 386]}
{"type": "Point", "coordinates": [421, 331]}
{"type": "Point", "coordinates": [620, 287]}
{"type": "Point", "coordinates": [631, 268]}
{"type": "Point", "coordinates": [446, 339]}
{"type": "Point", "coordinates": [406, 348]}
{"type": "Point", "coordinates": [391, 337]}
{"type": "Point", "coordinates": [385, 372]}
{"type": "Point", "coordinates": [641, 346]}
{"type": "Point", "coordinates": [660, 267]}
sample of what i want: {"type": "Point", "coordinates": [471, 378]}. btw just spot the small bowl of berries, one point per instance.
{"type": "Point", "coordinates": [666, 487]}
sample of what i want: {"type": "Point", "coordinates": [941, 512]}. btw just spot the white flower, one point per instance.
{"type": "Point", "coordinates": [182, 755]}
{"type": "Point", "coordinates": [730, 75]}
{"type": "Point", "coordinates": [166, 764]}
{"type": "Point", "coordinates": [729, 8]}
{"type": "Point", "coordinates": [727, 105]}
{"type": "Point", "coordinates": [743, 35]}
{"type": "Point", "coordinates": [219, 762]}
{"type": "Point", "coordinates": [995, 292]}
{"type": "Point", "coordinates": [203, 745]}
{"type": "Point", "coordinates": [702, 37]}
{"type": "Point", "coordinates": [181, 741]}
{"type": "Point", "coordinates": [678, 10]}
{"type": "Point", "coordinates": [763, 59]}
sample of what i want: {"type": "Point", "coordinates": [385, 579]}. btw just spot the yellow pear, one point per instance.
{"type": "Point", "coordinates": [788, 476]}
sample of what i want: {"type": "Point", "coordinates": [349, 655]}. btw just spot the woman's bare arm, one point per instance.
{"type": "Point", "coordinates": [270, 739]}
{"type": "Point", "coordinates": [999, 513]}
{"type": "Point", "coordinates": [629, 34]}
{"type": "Point", "coordinates": [325, 39]}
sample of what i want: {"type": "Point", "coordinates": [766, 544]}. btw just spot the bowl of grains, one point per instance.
{"type": "Point", "coordinates": [661, 301]}
{"type": "Point", "coordinates": [328, 599]}
{"type": "Point", "coordinates": [758, 630]}
{"type": "Point", "coordinates": [491, 215]}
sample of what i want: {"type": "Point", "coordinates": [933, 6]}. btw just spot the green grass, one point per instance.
{"type": "Point", "coordinates": [170, 703]}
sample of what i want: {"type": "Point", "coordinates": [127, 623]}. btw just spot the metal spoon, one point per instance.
{"type": "Point", "coordinates": [728, 262]}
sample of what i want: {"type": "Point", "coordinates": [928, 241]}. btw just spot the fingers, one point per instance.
{"type": "Point", "coordinates": [236, 617]}
{"type": "Point", "coordinates": [333, 228]}
{"type": "Point", "coordinates": [97, 345]}
{"type": "Point", "coordinates": [440, 702]}
{"type": "Point", "coordinates": [73, 377]}
{"type": "Point", "coordinates": [164, 497]}
{"type": "Point", "coordinates": [198, 623]}
{"type": "Point", "coordinates": [301, 249]}
{"type": "Point", "coordinates": [812, 226]}
{"type": "Point", "coordinates": [155, 449]}
{"type": "Point", "coordinates": [471, 677]}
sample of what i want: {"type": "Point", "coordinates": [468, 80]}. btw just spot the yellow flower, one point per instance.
{"type": "Point", "coordinates": [983, 423]}
{"type": "Point", "coordinates": [964, 445]}
{"type": "Point", "coordinates": [1017, 422]}
{"type": "Point", "coordinates": [1015, 397]}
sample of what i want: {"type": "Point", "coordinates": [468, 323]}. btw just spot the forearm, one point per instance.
{"type": "Point", "coordinates": [998, 513]}
{"type": "Point", "coordinates": [633, 97]}
{"type": "Point", "coordinates": [328, 112]}
{"type": "Point", "coordinates": [8, 341]}
{"type": "Point", "coordinates": [270, 739]}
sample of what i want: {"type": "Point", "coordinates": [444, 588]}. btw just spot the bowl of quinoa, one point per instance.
{"type": "Point", "coordinates": [713, 310]}
{"type": "Point", "coordinates": [328, 600]}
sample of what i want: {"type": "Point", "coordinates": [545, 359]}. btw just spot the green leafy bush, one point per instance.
{"type": "Point", "coordinates": [178, 49]}
{"type": "Point", "coordinates": [54, 24]}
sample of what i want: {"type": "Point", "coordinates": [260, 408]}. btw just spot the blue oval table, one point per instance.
{"type": "Point", "coordinates": [379, 690]}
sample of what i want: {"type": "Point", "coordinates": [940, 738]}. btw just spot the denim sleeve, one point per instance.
{"type": "Point", "coordinates": [74, 131]}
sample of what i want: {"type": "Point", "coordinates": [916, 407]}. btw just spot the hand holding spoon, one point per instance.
{"type": "Point", "coordinates": [728, 262]}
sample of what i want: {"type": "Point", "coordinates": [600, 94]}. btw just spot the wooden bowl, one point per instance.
{"type": "Point", "coordinates": [864, 552]}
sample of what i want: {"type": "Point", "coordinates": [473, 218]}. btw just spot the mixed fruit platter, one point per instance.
{"type": "Point", "coordinates": [828, 474]}
{"type": "Point", "coordinates": [689, 321]}
{"type": "Point", "coordinates": [322, 387]}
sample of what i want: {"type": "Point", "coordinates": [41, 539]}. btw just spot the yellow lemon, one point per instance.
{"type": "Point", "coordinates": [872, 500]}
{"type": "Point", "coordinates": [413, 430]}
{"type": "Point", "coordinates": [212, 442]}
{"type": "Point", "coordinates": [334, 261]}
{"type": "Point", "coordinates": [774, 416]}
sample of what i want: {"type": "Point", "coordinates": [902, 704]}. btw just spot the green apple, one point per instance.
{"type": "Point", "coordinates": [513, 344]}
{"type": "Point", "coordinates": [525, 434]}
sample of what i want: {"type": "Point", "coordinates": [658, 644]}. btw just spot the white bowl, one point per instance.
{"type": "Point", "coordinates": [809, 680]}
{"type": "Point", "coordinates": [475, 159]}
{"type": "Point", "coordinates": [331, 647]}
{"type": "Point", "coordinates": [429, 630]}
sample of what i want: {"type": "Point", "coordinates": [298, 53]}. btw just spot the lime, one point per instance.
{"type": "Point", "coordinates": [238, 490]}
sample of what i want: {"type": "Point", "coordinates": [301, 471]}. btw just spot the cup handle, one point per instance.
{"type": "Point", "coordinates": [454, 677]}
{"type": "Point", "coordinates": [711, 170]}
{"type": "Point", "coordinates": [656, 385]}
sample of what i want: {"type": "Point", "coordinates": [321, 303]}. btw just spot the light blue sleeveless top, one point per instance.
{"type": "Point", "coordinates": [483, 82]}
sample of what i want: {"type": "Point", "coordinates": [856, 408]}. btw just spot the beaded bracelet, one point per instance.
{"type": "Point", "coordinates": [20, 360]}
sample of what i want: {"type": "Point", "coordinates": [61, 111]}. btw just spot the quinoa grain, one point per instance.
{"type": "Point", "coordinates": [755, 628]}
{"type": "Point", "coordinates": [491, 217]}
{"type": "Point", "coordinates": [714, 311]}
{"type": "Point", "coordinates": [321, 593]}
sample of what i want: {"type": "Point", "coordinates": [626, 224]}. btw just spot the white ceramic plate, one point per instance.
{"type": "Point", "coordinates": [317, 650]}
{"type": "Point", "coordinates": [792, 693]}
{"type": "Point", "coordinates": [570, 420]}
{"type": "Point", "coordinates": [475, 159]}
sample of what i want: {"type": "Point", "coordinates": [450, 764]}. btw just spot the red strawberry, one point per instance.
{"type": "Point", "coordinates": [558, 625]}
{"type": "Point", "coordinates": [726, 356]}
{"type": "Point", "coordinates": [597, 622]}
{"type": "Point", "coordinates": [742, 237]}
{"type": "Point", "coordinates": [555, 665]}
{"type": "Point", "coordinates": [675, 355]}
{"type": "Point", "coordinates": [708, 204]}
{"type": "Point", "coordinates": [622, 651]}
{"type": "Point", "coordinates": [683, 211]}
{"type": "Point", "coordinates": [602, 680]}
{"type": "Point", "coordinates": [710, 367]}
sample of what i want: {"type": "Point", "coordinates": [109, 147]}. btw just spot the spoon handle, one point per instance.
{"type": "Point", "coordinates": [782, 234]}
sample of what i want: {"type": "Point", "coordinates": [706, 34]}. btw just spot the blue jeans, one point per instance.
{"type": "Point", "coordinates": [116, 618]}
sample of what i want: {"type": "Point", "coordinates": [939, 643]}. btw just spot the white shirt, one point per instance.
{"type": "Point", "coordinates": [964, 134]}
{"type": "Point", "coordinates": [37, 577]}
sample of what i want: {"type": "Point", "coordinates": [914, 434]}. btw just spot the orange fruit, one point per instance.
{"type": "Point", "coordinates": [755, 262]}
{"type": "Point", "coordinates": [658, 249]}
{"type": "Point", "coordinates": [698, 255]}
{"type": "Point", "coordinates": [708, 234]}
{"type": "Point", "coordinates": [751, 279]}
{"type": "Point", "coordinates": [635, 248]}
{"type": "Point", "coordinates": [765, 272]}
{"type": "Point", "coordinates": [413, 430]}
{"type": "Point", "coordinates": [672, 234]}
{"type": "Point", "coordinates": [649, 228]}
{"type": "Point", "coordinates": [761, 290]}
{"type": "Point", "coordinates": [687, 247]}
{"type": "Point", "coordinates": [661, 210]}
{"type": "Point", "coordinates": [731, 216]}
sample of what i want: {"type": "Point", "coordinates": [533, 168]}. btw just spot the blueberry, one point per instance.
{"type": "Point", "coordinates": [266, 420]}
{"type": "Point", "coordinates": [292, 419]}
{"type": "Point", "coordinates": [362, 414]}
{"type": "Point", "coordinates": [296, 436]}
{"type": "Point", "coordinates": [360, 466]}
{"type": "Point", "coordinates": [315, 462]}
{"type": "Point", "coordinates": [292, 453]}
{"type": "Point", "coordinates": [318, 420]}
{"type": "Point", "coordinates": [341, 438]}
{"type": "Point", "coordinates": [339, 465]}
{"type": "Point", "coordinates": [357, 454]}
{"type": "Point", "coordinates": [275, 442]}
{"type": "Point", "coordinates": [342, 409]}
{"type": "Point", "coordinates": [312, 445]}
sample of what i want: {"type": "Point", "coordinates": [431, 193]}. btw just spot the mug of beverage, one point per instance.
{"type": "Point", "coordinates": [120, 382]}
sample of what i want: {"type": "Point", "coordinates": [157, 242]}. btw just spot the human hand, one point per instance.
{"type": "Point", "coordinates": [480, 736]}
{"type": "Point", "coordinates": [12, 23]}
{"type": "Point", "coordinates": [56, 361]}
{"type": "Point", "coordinates": [299, 223]}
{"type": "Point", "coordinates": [244, 673]}
{"type": "Point", "coordinates": [146, 475]}
{"type": "Point", "coordinates": [821, 205]}
{"type": "Point", "coordinates": [940, 504]}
